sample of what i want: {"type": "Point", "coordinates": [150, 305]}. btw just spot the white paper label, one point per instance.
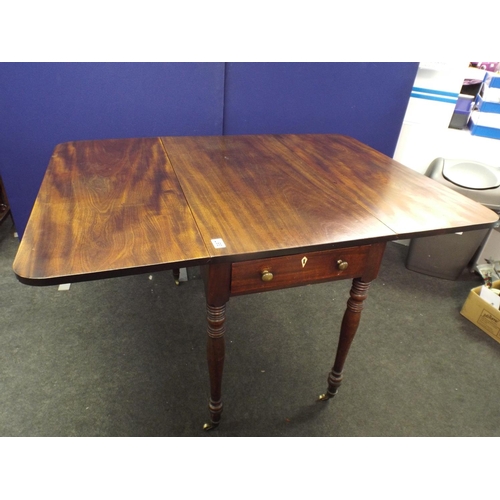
{"type": "Point", "coordinates": [218, 243]}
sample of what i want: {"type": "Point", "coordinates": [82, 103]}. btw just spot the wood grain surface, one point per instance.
{"type": "Point", "coordinates": [286, 193]}
{"type": "Point", "coordinates": [250, 192]}
{"type": "Point", "coordinates": [405, 201]}
{"type": "Point", "coordinates": [131, 205]}
{"type": "Point", "coordinates": [107, 206]}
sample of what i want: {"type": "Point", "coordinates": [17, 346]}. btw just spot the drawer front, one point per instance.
{"type": "Point", "coordinates": [300, 269]}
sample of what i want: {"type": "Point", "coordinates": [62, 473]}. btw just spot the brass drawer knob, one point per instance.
{"type": "Point", "coordinates": [267, 275]}
{"type": "Point", "coordinates": [342, 264]}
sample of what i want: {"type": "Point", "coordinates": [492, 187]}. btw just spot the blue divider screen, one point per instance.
{"type": "Point", "coordinates": [364, 100]}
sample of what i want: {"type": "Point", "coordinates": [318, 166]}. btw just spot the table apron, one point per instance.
{"type": "Point", "coordinates": [304, 268]}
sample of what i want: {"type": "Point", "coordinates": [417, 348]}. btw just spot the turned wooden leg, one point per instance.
{"type": "Point", "coordinates": [216, 317]}
{"type": "Point", "coordinates": [350, 322]}
{"type": "Point", "coordinates": [217, 279]}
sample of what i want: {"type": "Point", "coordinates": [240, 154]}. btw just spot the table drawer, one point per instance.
{"type": "Point", "coordinates": [299, 269]}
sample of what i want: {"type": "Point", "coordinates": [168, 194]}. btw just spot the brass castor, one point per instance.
{"type": "Point", "coordinates": [210, 426]}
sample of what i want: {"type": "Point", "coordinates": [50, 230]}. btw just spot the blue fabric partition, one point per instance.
{"type": "Point", "coordinates": [364, 100]}
{"type": "Point", "coordinates": [43, 104]}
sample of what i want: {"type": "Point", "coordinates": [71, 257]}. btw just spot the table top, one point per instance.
{"type": "Point", "coordinates": [122, 206]}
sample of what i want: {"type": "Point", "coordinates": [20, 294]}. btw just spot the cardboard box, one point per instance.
{"type": "Point", "coordinates": [483, 315]}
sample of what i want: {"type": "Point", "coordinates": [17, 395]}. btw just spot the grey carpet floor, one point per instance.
{"type": "Point", "coordinates": [126, 357]}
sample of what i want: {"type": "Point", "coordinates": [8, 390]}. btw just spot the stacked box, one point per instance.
{"type": "Point", "coordinates": [492, 80]}
{"type": "Point", "coordinates": [485, 118]}
{"type": "Point", "coordinates": [481, 313]}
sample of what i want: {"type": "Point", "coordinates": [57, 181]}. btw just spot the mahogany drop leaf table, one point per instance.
{"type": "Point", "coordinates": [256, 212]}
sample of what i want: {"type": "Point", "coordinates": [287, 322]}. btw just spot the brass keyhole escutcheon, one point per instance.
{"type": "Point", "coordinates": [342, 264]}
{"type": "Point", "coordinates": [267, 275]}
